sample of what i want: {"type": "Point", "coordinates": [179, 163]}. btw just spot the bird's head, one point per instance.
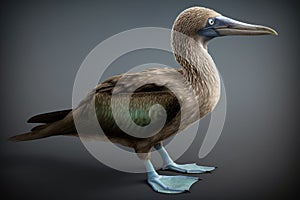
{"type": "Point", "coordinates": [204, 24]}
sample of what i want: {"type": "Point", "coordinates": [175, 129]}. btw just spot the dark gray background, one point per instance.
{"type": "Point", "coordinates": [42, 46]}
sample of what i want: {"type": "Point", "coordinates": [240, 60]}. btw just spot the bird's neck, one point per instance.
{"type": "Point", "coordinates": [200, 72]}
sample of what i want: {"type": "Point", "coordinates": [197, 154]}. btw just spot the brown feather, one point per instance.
{"type": "Point", "coordinates": [49, 117]}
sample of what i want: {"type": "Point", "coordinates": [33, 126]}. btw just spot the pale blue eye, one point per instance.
{"type": "Point", "coordinates": [211, 21]}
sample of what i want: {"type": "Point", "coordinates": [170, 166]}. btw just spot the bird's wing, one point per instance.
{"type": "Point", "coordinates": [152, 80]}
{"type": "Point", "coordinates": [144, 89]}
{"type": "Point", "coordinates": [145, 81]}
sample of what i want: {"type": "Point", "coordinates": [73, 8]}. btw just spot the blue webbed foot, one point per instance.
{"type": "Point", "coordinates": [169, 164]}
{"type": "Point", "coordinates": [171, 184]}
{"type": "Point", "coordinates": [188, 168]}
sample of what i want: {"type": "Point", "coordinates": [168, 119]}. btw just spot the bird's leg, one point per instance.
{"type": "Point", "coordinates": [169, 164]}
{"type": "Point", "coordinates": [168, 184]}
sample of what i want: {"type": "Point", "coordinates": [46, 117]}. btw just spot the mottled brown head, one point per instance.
{"type": "Point", "coordinates": [192, 20]}
{"type": "Point", "coordinates": [204, 24]}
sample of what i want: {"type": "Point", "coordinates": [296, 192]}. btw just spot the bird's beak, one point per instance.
{"type": "Point", "coordinates": [225, 26]}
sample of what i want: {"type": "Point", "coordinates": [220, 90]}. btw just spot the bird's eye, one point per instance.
{"type": "Point", "coordinates": [211, 21]}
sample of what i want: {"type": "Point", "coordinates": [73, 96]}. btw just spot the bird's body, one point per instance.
{"type": "Point", "coordinates": [199, 91]}
{"type": "Point", "coordinates": [140, 104]}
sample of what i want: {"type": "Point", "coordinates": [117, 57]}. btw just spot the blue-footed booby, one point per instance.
{"type": "Point", "coordinates": [199, 25]}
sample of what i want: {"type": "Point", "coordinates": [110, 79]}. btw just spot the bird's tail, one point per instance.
{"type": "Point", "coordinates": [54, 125]}
{"type": "Point", "coordinates": [32, 135]}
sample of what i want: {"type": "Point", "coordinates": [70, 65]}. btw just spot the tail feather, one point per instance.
{"type": "Point", "coordinates": [32, 135]}
{"type": "Point", "coordinates": [49, 117]}
{"type": "Point", "coordinates": [56, 123]}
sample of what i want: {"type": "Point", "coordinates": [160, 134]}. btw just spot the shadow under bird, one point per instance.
{"type": "Point", "coordinates": [199, 73]}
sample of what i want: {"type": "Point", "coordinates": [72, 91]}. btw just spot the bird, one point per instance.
{"type": "Point", "coordinates": [191, 32]}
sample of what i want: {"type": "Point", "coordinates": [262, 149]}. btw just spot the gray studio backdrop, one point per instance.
{"type": "Point", "coordinates": [42, 46]}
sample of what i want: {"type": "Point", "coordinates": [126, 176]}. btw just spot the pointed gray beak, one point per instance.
{"type": "Point", "coordinates": [233, 27]}
{"type": "Point", "coordinates": [222, 26]}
